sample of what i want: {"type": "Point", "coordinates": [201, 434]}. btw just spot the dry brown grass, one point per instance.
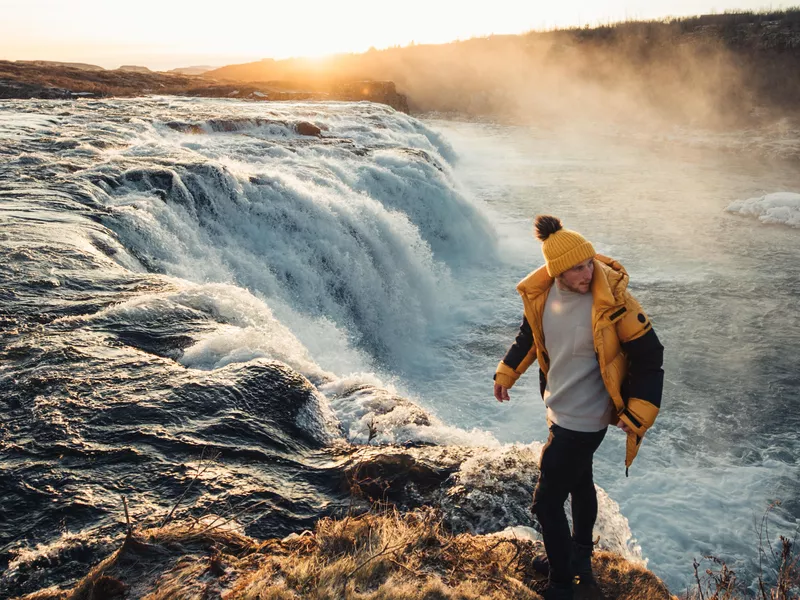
{"type": "Point", "coordinates": [716, 581]}
{"type": "Point", "coordinates": [101, 83]}
{"type": "Point", "coordinates": [381, 555]}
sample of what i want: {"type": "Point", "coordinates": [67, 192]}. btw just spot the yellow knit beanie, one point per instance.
{"type": "Point", "coordinates": [562, 248]}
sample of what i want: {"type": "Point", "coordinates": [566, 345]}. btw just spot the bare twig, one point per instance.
{"type": "Point", "coordinates": [787, 572]}
{"type": "Point", "coordinates": [385, 550]}
{"type": "Point", "coordinates": [697, 578]}
{"type": "Point", "coordinates": [405, 567]}
{"type": "Point", "coordinates": [197, 474]}
{"type": "Point", "coordinates": [766, 526]}
{"type": "Point", "coordinates": [501, 541]}
{"type": "Point", "coordinates": [763, 540]}
{"type": "Point", "coordinates": [228, 520]}
{"type": "Point", "coordinates": [516, 555]}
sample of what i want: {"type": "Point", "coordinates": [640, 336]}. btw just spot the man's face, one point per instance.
{"type": "Point", "coordinates": [579, 278]}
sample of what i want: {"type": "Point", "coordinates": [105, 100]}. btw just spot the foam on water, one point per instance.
{"type": "Point", "coordinates": [68, 542]}
{"type": "Point", "coordinates": [780, 208]}
{"type": "Point", "coordinates": [19, 125]}
{"type": "Point", "coordinates": [372, 410]}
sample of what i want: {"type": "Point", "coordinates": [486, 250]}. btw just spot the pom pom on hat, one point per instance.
{"type": "Point", "coordinates": [562, 248]}
{"type": "Point", "coordinates": [545, 226]}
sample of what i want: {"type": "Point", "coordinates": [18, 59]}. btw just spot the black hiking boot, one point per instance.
{"type": "Point", "coordinates": [558, 591]}
{"type": "Point", "coordinates": [582, 563]}
{"type": "Point", "coordinates": [540, 565]}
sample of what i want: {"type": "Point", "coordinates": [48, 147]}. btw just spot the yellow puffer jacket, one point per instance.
{"type": "Point", "coordinates": [627, 348]}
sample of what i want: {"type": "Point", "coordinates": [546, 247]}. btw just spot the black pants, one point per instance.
{"type": "Point", "coordinates": [566, 468]}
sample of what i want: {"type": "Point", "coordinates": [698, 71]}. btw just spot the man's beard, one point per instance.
{"type": "Point", "coordinates": [581, 289]}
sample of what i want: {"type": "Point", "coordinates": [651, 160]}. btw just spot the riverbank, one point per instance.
{"type": "Point", "coordinates": [377, 555]}
{"type": "Point", "coordinates": [61, 81]}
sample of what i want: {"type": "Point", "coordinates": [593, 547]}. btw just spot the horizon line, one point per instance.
{"type": "Point", "coordinates": [193, 59]}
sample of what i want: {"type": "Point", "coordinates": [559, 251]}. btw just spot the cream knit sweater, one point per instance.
{"type": "Point", "coordinates": [575, 395]}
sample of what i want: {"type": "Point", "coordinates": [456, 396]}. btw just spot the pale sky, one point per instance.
{"type": "Point", "coordinates": [163, 34]}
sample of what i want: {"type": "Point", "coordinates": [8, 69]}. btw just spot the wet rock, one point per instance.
{"type": "Point", "coordinates": [479, 490]}
{"type": "Point", "coordinates": [18, 89]}
{"type": "Point", "coordinates": [306, 128]}
{"type": "Point", "coordinates": [185, 127]}
{"type": "Point", "coordinates": [404, 477]}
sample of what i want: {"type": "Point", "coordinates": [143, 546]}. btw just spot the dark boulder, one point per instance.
{"type": "Point", "coordinates": [479, 490]}
{"type": "Point", "coordinates": [306, 128]}
{"type": "Point", "coordinates": [384, 92]}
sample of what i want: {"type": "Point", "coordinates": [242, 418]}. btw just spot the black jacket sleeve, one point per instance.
{"type": "Point", "coordinates": [645, 373]}
{"type": "Point", "coordinates": [521, 346]}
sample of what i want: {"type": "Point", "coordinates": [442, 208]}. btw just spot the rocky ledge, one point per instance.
{"type": "Point", "coordinates": [47, 80]}
{"type": "Point", "coordinates": [382, 554]}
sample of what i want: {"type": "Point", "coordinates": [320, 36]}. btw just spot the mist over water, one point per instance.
{"type": "Point", "coordinates": [192, 276]}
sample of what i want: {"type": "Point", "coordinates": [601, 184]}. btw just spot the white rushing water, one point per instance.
{"type": "Point", "coordinates": [385, 254]}
{"type": "Point", "coordinates": [780, 208]}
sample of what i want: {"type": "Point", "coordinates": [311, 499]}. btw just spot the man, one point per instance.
{"type": "Point", "coordinates": [599, 364]}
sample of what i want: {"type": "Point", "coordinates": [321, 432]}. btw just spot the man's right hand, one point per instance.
{"type": "Point", "coordinates": [624, 427]}
{"type": "Point", "coordinates": [500, 392]}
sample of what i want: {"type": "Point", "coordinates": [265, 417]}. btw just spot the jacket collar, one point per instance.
{"type": "Point", "coordinates": [536, 283]}
{"type": "Point", "coordinates": [608, 284]}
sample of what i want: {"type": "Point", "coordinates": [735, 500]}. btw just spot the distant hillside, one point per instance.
{"type": "Point", "coordinates": [53, 63]}
{"type": "Point", "coordinates": [43, 79]}
{"type": "Point", "coordinates": [46, 79]}
{"type": "Point", "coordinates": [134, 69]}
{"type": "Point", "coordinates": [194, 70]}
{"type": "Point", "coordinates": [709, 69]}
